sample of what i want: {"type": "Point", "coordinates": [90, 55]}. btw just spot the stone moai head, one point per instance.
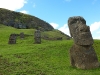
{"type": "Point", "coordinates": [37, 37]}
{"type": "Point", "coordinates": [12, 39]}
{"type": "Point", "coordinates": [22, 35]}
{"type": "Point", "coordinates": [37, 33]}
{"type": "Point", "coordinates": [80, 31]}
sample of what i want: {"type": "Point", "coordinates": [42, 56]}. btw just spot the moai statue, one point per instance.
{"type": "Point", "coordinates": [37, 37]}
{"type": "Point", "coordinates": [12, 39]}
{"type": "Point", "coordinates": [82, 53]}
{"type": "Point", "coordinates": [22, 35]}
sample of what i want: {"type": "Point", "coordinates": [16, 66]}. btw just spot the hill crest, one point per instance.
{"type": "Point", "coordinates": [22, 21]}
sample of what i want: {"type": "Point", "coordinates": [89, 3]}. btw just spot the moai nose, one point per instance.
{"type": "Point", "coordinates": [84, 28]}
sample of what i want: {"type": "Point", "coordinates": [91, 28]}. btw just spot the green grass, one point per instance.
{"type": "Point", "coordinates": [48, 58]}
{"type": "Point", "coordinates": [54, 34]}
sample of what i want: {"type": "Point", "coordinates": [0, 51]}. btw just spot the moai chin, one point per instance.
{"type": "Point", "coordinates": [37, 37]}
{"type": "Point", "coordinates": [82, 53]}
{"type": "Point", "coordinates": [12, 39]}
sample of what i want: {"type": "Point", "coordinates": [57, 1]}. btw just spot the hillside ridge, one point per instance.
{"type": "Point", "coordinates": [22, 21]}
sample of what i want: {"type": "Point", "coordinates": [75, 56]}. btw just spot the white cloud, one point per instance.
{"type": "Point", "coordinates": [95, 26]}
{"type": "Point", "coordinates": [98, 32]}
{"type": "Point", "coordinates": [96, 37]}
{"type": "Point", "coordinates": [65, 29]}
{"type": "Point", "coordinates": [12, 4]}
{"type": "Point", "coordinates": [55, 25]}
{"type": "Point", "coordinates": [24, 11]}
{"type": "Point", "coordinates": [95, 30]}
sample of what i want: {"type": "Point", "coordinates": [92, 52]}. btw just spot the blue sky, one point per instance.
{"type": "Point", "coordinates": [57, 12]}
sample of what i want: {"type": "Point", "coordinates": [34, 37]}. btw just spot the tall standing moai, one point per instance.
{"type": "Point", "coordinates": [82, 53]}
{"type": "Point", "coordinates": [12, 39]}
{"type": "Point", "coordinates": [37, 37]}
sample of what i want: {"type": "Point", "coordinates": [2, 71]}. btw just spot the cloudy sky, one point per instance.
{"type": "Point", "coordinates": [57, 12]}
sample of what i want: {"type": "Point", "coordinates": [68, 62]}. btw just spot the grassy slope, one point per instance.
{"type": "Point", "coordinates": [48, 58]}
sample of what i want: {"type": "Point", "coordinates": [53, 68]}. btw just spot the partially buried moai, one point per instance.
{"type": "Point", "coordinates": [12, 39]}
{"type": "Point", "coordinates": [37, 37]}
{"type": "Point", "coordinates": [82, 53]}
{"type": "Point", "coordinates": [22, 35]}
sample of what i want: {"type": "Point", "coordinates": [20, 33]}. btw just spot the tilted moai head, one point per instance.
{"type": "Point", "coordinates": [80, 31]}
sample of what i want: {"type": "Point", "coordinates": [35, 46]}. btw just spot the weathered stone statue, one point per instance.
{"type": "Point", "coordinates": [22, 35]}
{"type": "Point", "coordinates": [82, 53]}
{"type": "Point", "coordinates": [12, 39]}
{"type": "Point", "coordinates": [37, 37]}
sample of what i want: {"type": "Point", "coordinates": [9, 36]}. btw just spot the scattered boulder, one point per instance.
{"type": "Point", "coordinates": [82, 53]}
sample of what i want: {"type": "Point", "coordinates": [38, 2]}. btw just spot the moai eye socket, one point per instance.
{"type": "Point", "coordinates": [83, 21]}
{"type": "Point", "coordinates": [73, 22]}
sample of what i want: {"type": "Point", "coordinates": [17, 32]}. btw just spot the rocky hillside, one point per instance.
{"type": "Point", "coordinates": [22, 21]}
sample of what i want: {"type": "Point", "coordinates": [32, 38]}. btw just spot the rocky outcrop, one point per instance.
{"type": "Point", "coordinates": [22, 21]}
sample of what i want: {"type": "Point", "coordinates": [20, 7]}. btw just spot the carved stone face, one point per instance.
{"type": "Point", "coordinates": [37, 33]}
{"type": "Point", "coordinates": [80, 31]}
